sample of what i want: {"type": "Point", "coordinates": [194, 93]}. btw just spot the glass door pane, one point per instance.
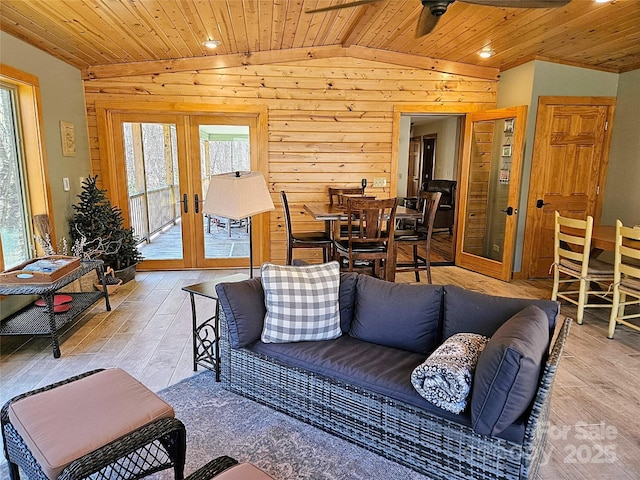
{"type": "Point", "coordinates": [14, 233]}
{"type": "Point", "coordinates": [151, 157]}
{"type": "Point", "coordinates": [224, 149]}
{"type": "Point", "coordinates": [489, 191]}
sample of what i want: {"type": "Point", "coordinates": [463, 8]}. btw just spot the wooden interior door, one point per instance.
{"type": "Point", "coordinates": [413, 172]}
{"type": "Point", "coordinates": [568, 171]}
{"type": "Point", "coordinates": [489, 191]}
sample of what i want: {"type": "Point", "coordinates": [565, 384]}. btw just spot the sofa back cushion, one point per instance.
{"type": "Point", "coordinates": [397, 315]}
{"type": "Point", "coordinates": [244, 308]}
{"type": "Point", "coordinates": [466, 311]}
{"type": "Point", "coordinates": [508, 371]}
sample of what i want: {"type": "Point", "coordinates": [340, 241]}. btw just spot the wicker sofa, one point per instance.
{"type": "Point", "coordinates": [361, 391]}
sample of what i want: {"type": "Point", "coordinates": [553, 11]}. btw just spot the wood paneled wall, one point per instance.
{"type": "Point", "coordinates": [331, 120]}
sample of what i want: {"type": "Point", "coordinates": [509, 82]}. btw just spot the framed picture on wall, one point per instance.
{"type": "Point", "coordinates": [68, 138]}
{"type": "Point", "coordinates": [506, 150]}
{"type": "Point", "coordinates": [508, 125]}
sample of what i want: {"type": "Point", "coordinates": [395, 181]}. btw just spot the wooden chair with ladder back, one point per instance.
{"type": "Point", "coordinates": [419, 236]}
{"type": "Point", "coordinates": [370, 227]}
{"type": "Point", "coordinates": [572, 259]}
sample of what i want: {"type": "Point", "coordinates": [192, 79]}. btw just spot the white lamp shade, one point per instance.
{"type": "Point", "coordinates": [237, 196]}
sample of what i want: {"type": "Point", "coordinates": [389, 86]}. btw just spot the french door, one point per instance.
{"type": "Point", "coordinates": [159, 166]}
{"type": "Point", "coordinates": [489, 191]}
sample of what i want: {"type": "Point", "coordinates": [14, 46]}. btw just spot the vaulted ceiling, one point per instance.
{"type": "Point", "coordinates": [87, 33]}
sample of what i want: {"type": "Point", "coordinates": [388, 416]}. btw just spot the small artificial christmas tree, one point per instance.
{"type": "Point", "coordinates": [98, 228]}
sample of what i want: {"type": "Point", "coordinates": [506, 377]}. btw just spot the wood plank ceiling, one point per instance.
{"type": "Point", "coordinates": [88, 33]}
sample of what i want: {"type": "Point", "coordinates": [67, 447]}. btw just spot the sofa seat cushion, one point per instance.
{"type": "Point", "coordinates": [376, 368]}
{"type": "Point", "coordinates": [397, 315]}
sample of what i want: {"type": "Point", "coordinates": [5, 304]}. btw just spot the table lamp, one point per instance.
{"type": "Point", "coordinates": [236, 196]}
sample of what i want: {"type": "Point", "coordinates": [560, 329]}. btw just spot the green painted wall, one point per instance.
{"type": "Point", "coordinates": [523, 85]}
{"type": "Point", "coordinates": [622, 191]}
{"type": "Point", "coordinates": [62, 96]}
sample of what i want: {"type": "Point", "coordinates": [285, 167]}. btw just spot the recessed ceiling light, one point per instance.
{"type": "Point", "coordinates": [486, 52]}
{"type": "Point", "coordinates": [602, 1]}
{"type": "Point", "coordinates": [212, 43]}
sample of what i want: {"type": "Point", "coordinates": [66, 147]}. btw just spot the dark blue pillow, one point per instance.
{"type": "Point", "coordinates": [346, 299]}
{"type": "Point", "coordinates": [397, 315]}
{"type": "Point", "coordinates": [508, 371]}
{"type": "Point", "coordinates": [466, 311]}
{"type": "Point", "coordinates": [244, 309]}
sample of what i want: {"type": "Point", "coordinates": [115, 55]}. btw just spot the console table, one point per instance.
{"type": "Point", "coordinates": [34, 320]}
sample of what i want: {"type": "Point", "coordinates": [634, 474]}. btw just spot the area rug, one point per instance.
{"type": "Point", "coordinates": [222, 423]}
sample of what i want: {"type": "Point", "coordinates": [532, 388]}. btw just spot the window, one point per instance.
{"type": "Point", "coordinates": [14, 230]}
{"type": "Point", "coordinates": [22, 166]}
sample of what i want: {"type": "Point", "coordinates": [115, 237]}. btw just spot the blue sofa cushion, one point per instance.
{"type": "Point", "coordinates": [383, 370]}
{"type": "Point", "coordinates": [243, 307]}
{"type": "Point", "coordinates": [302, 302]}
{"type": "Point", "coordinates": [397, 315]}
{"type": "Point", "coordinates": [473, 312]}
{"type": "Point", "coordinates": [348, 281]}
{"type": "Point", "coordinates": [508, 371]}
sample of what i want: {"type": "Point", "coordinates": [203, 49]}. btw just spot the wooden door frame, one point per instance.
{"type": "Point", "coordinates": [543, 103]}
{"type": "Point", "coordinates": [501, 270]}
{"type": "Point", "coordinates": [118, 195]}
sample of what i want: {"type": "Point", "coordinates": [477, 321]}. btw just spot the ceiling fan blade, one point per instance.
{"type": "Point", "coordinates": [342, 5]}
{"type": "Point", "coordinates": [519, 3]}
{"type": "Point", "coordinates": [426, 23]}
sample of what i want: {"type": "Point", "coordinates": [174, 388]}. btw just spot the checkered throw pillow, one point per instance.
{"type": "Point", "coordinates": [302, 302]}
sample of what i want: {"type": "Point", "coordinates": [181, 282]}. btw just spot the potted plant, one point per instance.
{"type": "Point", "coordinates": [98, 229]}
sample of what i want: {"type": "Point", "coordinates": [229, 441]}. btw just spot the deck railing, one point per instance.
{"type": "Point", "coordinates": [150, 212]}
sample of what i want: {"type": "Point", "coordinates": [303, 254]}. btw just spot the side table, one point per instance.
{"type": "Point", "coordinates": [33, 320]}
{"type": "Point", "coordinates": [206, 349]}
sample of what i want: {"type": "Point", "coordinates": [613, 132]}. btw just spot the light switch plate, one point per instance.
{"type": "Point", "coordinates": [65, 184]}
{"type": "Point", "coordinates": [379, 182]}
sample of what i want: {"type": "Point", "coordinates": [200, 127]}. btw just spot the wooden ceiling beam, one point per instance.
{"type": "Point", "coordinates": [283, 56]}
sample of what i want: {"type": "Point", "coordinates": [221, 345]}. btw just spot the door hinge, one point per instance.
{"type": "Point", "coordinates": [606, 126]}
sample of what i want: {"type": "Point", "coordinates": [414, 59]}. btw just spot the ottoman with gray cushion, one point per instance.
{"type": "Point", "coordinates": [103, 424]}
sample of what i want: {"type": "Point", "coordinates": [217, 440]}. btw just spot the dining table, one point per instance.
{"type": "Point", "coordinates": [333, 215]}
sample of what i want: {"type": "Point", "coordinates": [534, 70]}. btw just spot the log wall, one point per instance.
{"type": "Point", "coordinates": [331, 120]}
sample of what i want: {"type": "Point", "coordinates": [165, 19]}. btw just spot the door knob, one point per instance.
{"type": "Point", "coordinates": [540, 203]}
{"type": "Point", "coordinates": [196, 203]}
{"type": "Point", "coordinates": [508, 210]}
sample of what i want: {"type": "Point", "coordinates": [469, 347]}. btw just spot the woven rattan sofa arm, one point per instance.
{"type": "Point", "coordinates": [214, 467]}
{"type": "Point", "coordinates": [170, 431]}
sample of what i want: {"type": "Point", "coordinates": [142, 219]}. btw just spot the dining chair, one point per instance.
{"type": "Point", "coordinates": [572, 258]}
{"type": "Point", "coordinates": [304, 239]}
{"type": "Point", "coordinates": [419, 235]}
{"type": "Point", "coordinates": [626, 279]}
{"type": "Point", "coordinates": [337, 195]}
{"type": "Point", "coordinates": [370, 227]}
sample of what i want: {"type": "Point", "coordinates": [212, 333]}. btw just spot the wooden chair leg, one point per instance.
{"type": "Point", "coordinates": [415, 262]}
{"type": "Point", "coordinates": [582, 300]}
